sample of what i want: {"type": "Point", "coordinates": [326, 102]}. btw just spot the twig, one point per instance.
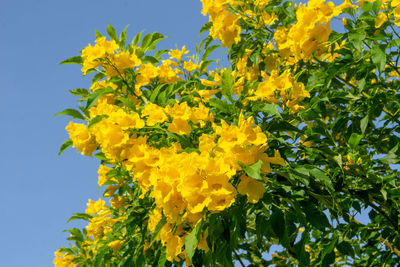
{"type": "Point", "coordinates": [239, 259]}
{"type": "Point", "coordinates": [387, 244]}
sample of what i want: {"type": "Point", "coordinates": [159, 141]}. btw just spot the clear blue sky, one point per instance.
{"type": "Point", "coordinates": [41, 190]}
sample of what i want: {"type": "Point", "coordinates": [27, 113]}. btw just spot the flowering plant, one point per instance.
{"type": "Point", "coordinates": [285, 146]}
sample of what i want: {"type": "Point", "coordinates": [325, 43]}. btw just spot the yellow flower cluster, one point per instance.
{"type": "Point", "coordinates": [225, 25]}
{"type": "Point", "coordinates": [63, 260]}
{"type": "Point", "coordinates": [182, 184]}
{"type": "Point", "coordinates": [284, 85]}
{"type": "Point", "coordinates": [166, 72]}
{"type": "Point", "coordinates": [309, 34]}
{"type": "Point", "coordinates": [81, 138]}
{"type": "Point", "coordinates": [102, 221]}
{"type": "Point", "coordinates": [185, 184]}
{"type": "Point", "coordinates": [396, 12]}
{"type": "Point", "coordinates": [104, 54]}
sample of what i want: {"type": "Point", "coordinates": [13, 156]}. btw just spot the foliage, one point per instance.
{"type": "Point", "coordinates": [285, 146]}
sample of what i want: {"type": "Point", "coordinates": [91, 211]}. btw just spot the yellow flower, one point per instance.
{"type": "Point", "coordinates": [167, 74]}
{"type": "Point", "coordinates": [126, 120]}
{"type": "Point", "coordinates": [253, 189]}
{"type": "Point", "coordinates": [226, 28]}
{"type": "Point", "coordinates": [179, 110]}
{"type": "Point", "coordinates": [206, 94]}
{"type": "Point", "coordinates": [190, 66]}
{"type": "Point", "coordinates": [177, 54]}
{"type": "Point", "coordinates": [95, 206]}
{"type": "Point", "coordinates": [118, 202]}
{"type": "Point", "coordinates": [92, 54]}
{"type": "Point", "coordinates": [103, 170]}
{"type": "Point", "coordinates": [110, 190]}
{"type": "Point", "coordinates": [380, 19]}
{"type": "Point", "coordinates": [146, 73]}
{"type": "Point", "coordinates": [81, 138]}
{"type": "Point", "coordinates": [120, 62]}
{"type": "Point", "coordinates": [63, 260]}
{"type": "Point", "coordinates": [155, 114]}
{"type": "Point", "coordinates": [116, 244]}
{"type": "Point", "coordinates": [268, 18]}
{"type": "Point", "coordinates": [179, 126]}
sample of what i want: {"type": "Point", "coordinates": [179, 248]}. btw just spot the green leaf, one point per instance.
{"type": "Point", "coordinates": [79, 92]}
{"type": "Point", "coordinates": [80, 216]}
{"type": "Point", "coordinates": [205, 64]}
{"type": "Point", "coordinates": [282, 126]}
{"type": "Point", "coordinates": [320, 175]}
{"type": "Point", "coordinates": [156, 232]}
{"type": "Point", "coordinates": [73, 60]}
{"type": "Point", "coordinates": [150, 40]}
{"type": "Point", "coordinates": [270, 109]}
{"type": "Point", "coordinates": [136, 39]}
{"type": "Point", "coordinates": [192, 240]}
{"type": "Point", "coordinates": [98, 34]}
{"type": "Point", "coordinates": [357, 39]}
{"type": "Point", "coordinates": [128, 103]}
{"type": "Point", "coordinates": [364, 124]}
{"type": "Point", "coordinates": [163, 257]}
{"type": "Point", "coordinates": [345, 248]}
{"type": "Point", "coordinates": [255, 56]}
{"type": "Point", "coordinates": [366, 6]}
{"type": "Point", "coordinates": [100, 156]}
{"type": "Point", "coordinates": [112, 33]}
{"type": "Point", "coordinates": [390, 158]}
{"type": "Point", "coordinates": [149, 59]}
{"type": "Point", "coordinates": [162, 98]}
{"type": "Point", "coordinates": [71, 112]}
{"type": "Point", "coordinates": [277, 221]}
{"type": "Point", "coordinates": [98, 76]}
{"type": "Point", "coordinates": [328, 249]}
{"type": "Point", "coordinates": [227, 84]}
{"type": "Point", "coordinates": [99, 256]}
{"type": "Point", "coordinates": [95, 120]}
{"type": "Point", "coordinates": [317, 218]}
{"type": "Point", "coordinates": [378, 57]}
{"type": "Point", "coordinates": [253, 170]}
{"type": "Point", "coordinates": [354, 140]}
{"type": "Point", "coordinates": [208, 51]}
{"type": "Point", "coordinates": [64, 146]}
{"type": "Point", "coordinates": [300, 173]}
{"type": "Point", "coordinates": [221, 105]}
{"type": "Point", "coordinates": [156, 91]}
{"type": "Point", "coordinates": [338, 159]}
{"type": "Point", "coordinates": [160, 53]}
{"type": "Point", "coordinates": [92, 99]}
{"type": "Point", "coordinates": [76, 235]}
{"type": "Point", "coordinates": [122, 38]}
{"type": "Point", "coordinates": [206, 27]}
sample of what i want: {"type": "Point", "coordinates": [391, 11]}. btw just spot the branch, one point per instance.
{"type": "Point", "coordinates": [239, 259]}
{"type": "Point", "coordinates": [383, 213]}
{"type": "Point", "coordinates": [387, 244]}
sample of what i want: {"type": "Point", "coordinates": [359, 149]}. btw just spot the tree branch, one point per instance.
{"type": "Point", "coordinates": [239, 259]}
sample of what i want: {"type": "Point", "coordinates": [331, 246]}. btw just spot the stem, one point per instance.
{"type": "Point", "coordinates": [383, 213]}
{"type": "Point", "coordinates": [390, 246]}
{"type": "Point", "coordinates": [239, 259]}
{"type": "Point", "coordinates": [394, 31]}
{"type": "Point", "coordinates": [125, 82]}
{"type": "Point", "coordinates": [375, 207]}
{"type": "Point", "coordinates": [387, 244]}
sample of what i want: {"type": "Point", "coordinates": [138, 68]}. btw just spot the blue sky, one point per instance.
{"type": "Point", "coordinates": [40, 189]}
